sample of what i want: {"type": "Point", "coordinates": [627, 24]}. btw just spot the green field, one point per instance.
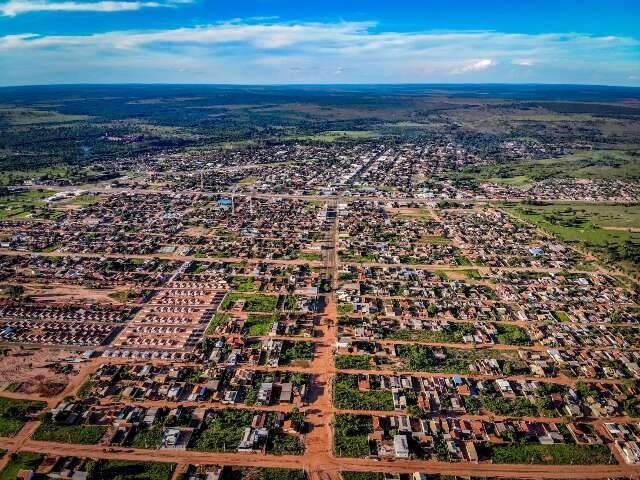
{"type": "Point", "coordinates": [458, 360]}
{"type": "Point", "coordinates": [362, 476]}
{"type": "Point", "coordinates": [556, 454]}
{"type": "Point", "coordinates": [260, 473]}
{"type": "Point", "coordinates": [123, 469]}
{"type": "Point", "coordinates": [14, 414]}
{"type": "Point", "coordinates": [354, 362]}
{"type": "Point", "coordinates": [62, 173]}
{"type": "Point", "coordinates": [26, 204]}
{"type": "Point", "coordinates": [610, 231]}
{"type": "Point", "coordinates": [29, 116]}
{"type": "Point", "coordinates": [147, 438]}
{"type": "Point", "coordinates": [347, 396]}
{"type": "Point", "coordinates": [20, 461]}
{"type": "Point", "coordinates": [258, 325]}
{"type": "Point", "coordinates": [80, 434]}
{"type": "Point", "coordinates": [590, 164]}
{"type": "Point", "coordinates": [253, 302]}
{"type": "Point", "coordinates": [335, 135]}
{"type": "Point", "coordinates": [351, 435]}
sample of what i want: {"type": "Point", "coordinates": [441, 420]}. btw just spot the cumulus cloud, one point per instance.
{"type": "Point", "coordinates": [475, 66]}
{"type": "Point", "coordinates": [18, 7]}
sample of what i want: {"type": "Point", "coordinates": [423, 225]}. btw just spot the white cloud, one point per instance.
{"type": "Point", "coordinates": [18, 7]}
{"type": "Point", "coordinates": [240, 51]}
{"type": "Point", "coordinates": [475, 66]}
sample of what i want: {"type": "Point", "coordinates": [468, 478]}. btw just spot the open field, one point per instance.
{"type": "Point", "coordinates": [610, 231]}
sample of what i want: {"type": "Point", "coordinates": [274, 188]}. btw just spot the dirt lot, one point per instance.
{"type": "Point", "coordinates": [26, 371]}
{"type": "Point", "coordinates": [75, 294]}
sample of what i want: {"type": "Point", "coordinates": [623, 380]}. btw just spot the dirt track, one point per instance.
{"type": "Point", "coordinates": [315, 462]}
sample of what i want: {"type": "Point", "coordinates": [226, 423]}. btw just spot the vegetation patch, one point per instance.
{"type": "Point", "coordinates": [259, 325]}
{"type": "Point", "coordinates": [49, 431]}
{"type": "Point", "coordinates": [351, 435]}
{"type": "Point", "coordinates": [347, 396]}
{"type": "Point", "coordinates": [147, 438]}
{"type": "Point", "coordinates": [556, 454]}
{"type": "Point", "coordinates": [611, 231]}
{"type": "Point", "coordinates": [14, 414]}
{"type": "Point", "coordinates": [20, 461]}
{"type": "Point", "coordinates": [259, 473]}
{"type": "Point", "coordinates": [128, 470]}
{"type": "Point", "coordinates": [355, 362]}
{"type": "Point", "coordinates": [282, 444]}
{"type": "Point", "coordinates": [223, 431]}
{"type": "Point", "coordinates": [295, 351]}
{"type": "Point", "coordinates": [252, 302]}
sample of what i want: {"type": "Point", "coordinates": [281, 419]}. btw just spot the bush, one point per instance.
{"type": "Point", "coordinates": [147, 438]}
{"type": "Point", "coordinates": [14, 414]}
{"type": "Point", "coordinates": [223, 431]}
{"type": "Point", "coordinates": [351, 435]}
{"type": "Point", "coordinates": [81, 434]}
{"type": "Point", "coordinates": [20, 461]}
{"type": "Point", "coordinates": [354, 362]}
{"type": "Point", "coordinates": [512, 335]}
{"type": "Point", "coordinates": [346, 395]}
{"type": "Point", "coordinates": [557, 454]}
{"type": "Point", "coordinates": [281, 444]}
{"type": "Point", "coordinates": [362, 476]}
{"type": "Point", "coordinates": [253, 302]}
{"type": "Point", "coordinates": [127, 470]}
{"type": "Point", "coordinates": [296, 351]}
{"type": "Point", "coordinates": [258, 473]}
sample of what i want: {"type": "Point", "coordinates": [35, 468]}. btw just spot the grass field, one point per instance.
{"type": "Point", "coordinates": [248, 180]}
{"type": "Point", "coordinates": [79, 434]}
{"type": "Point", "coordinates": [14, 414]}
{"type": "Point", "coordinates": [25, 204]}
{"type": "Point", "coordinates": [258, 325]}
{"type": "Point", "coordinates": [121, 469]}
{"type": "Point", "coordinates": [13, 177]}
{"type": "Point", "coordinates": [611, 232]}
{"type": "Point", "coordinates": [253, 302]}
{"type": "Point", "coordinates": [557, 454]}
{"type": "Point", "coordinates": [260, 473]}
{"type": "Point", "coordinates": [335, 135]}
{"type": "Point", "coordinates": [31, 116]}
{"type": "Point", "coordinates": [591, 164]}
{"type": "Point", "coordinates": [20, 461]}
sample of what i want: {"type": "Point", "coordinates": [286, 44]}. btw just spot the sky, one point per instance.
{"type": "Point", "coordinates": [320, 41]}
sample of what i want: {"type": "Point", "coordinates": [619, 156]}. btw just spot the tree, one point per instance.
{"type": "Point", "coordinates": [297, 416]}
{"type": "Point", "coordinates": [15, 292]}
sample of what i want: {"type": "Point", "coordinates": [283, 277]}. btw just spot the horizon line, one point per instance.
{"type": "Point", "coordinates": [354, 84]}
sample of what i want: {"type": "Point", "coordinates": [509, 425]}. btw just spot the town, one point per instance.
{"type": "Point", "coordinates": [204, 332]}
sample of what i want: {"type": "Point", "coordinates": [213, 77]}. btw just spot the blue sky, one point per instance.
{"type": "Point", "coordinates": [322, 41]}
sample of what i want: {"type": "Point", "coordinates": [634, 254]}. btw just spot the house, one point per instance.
{"type": "Point", "coordinates": [264, 394]}
{"type": "Point", "coordinates": [401, 446]}
{"type": "Point", "coordinates": [177, 438]}
{"type": "Point", "coordinates": [252, 439]}
{"type": "Point", "coordinates": [286, 392]}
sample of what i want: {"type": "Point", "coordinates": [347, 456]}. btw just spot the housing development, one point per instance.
{"type": "Point", "coordinates": [356, 305]}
